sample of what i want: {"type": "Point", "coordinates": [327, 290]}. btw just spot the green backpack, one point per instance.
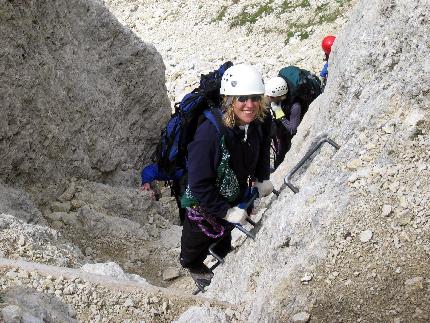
{"type": "Point", "coordinates": [302, 85]}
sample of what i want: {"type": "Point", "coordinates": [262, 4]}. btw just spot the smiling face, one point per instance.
{"type": "Point", "coordinates": [246, 108]}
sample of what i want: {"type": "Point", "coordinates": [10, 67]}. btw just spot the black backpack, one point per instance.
{"type": "Point", "coordinates": [203, 102]}
{"type": "Point", "coordinates": [303, 86]}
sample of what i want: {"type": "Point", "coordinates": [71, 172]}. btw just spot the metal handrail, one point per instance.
{"type": "Point", "coordinates": [304, 159]}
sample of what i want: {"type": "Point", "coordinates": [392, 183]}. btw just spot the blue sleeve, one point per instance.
{"type": "Point", "coordinates": [294, 121]}
{"type": "Point", "coordinates": [151, 173]}
{"type": "Point", "coordinates": [203, 157]}
{"type": "Point", "coordinates": [324, 71]}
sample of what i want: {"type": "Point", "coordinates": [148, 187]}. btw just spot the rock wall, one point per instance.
{"type": "Point", "coordinates": [353, 243]}
{"type": "Point", "coordinates": [81, 96]}
{"type": "Point", "coordinates": [19, 204]}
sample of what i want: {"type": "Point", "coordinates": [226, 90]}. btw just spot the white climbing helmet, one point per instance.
{"type": "Point", "coordinates": [242, 79]}
{"type": "Point", "coordinates": [276, 86]}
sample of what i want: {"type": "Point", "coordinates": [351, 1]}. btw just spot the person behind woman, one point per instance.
{"type": "Point", "coordinates": [326, 45]}
{"type": "Point", "coordinates": [287, 113]}
{"type": "Point", "coordinates": [221, 166]}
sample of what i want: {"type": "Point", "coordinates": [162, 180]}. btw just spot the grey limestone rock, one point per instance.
{"type": "Point", "coordinates": [19, 204]}
{"type": "Point", "coordinates": [81, 96]}
{"type": "Point", "coordinates": [30, 305]}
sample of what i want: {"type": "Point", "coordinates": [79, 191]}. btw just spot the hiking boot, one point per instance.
{"type": "Point", "coordinates": [202, 276]}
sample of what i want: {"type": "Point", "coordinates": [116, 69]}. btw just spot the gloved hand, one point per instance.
{"type": "Point", "coordinates": [236, 215]}
{"type": "Point", "coordinates": [277, 110]}
{"type": "Point", "coordinates": [264, 188]}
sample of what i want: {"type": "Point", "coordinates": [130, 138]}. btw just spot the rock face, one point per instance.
{"type": "Point", "coordinates": [81, 95]}
{"type": "Point", "coordinates": [362, 257]}
{"type": "Point", "coordinates": [34, 306]}
{"type": "Point", "coordinates": [18, 203]}
{"type": "Point", "coordinates": [37, 243]}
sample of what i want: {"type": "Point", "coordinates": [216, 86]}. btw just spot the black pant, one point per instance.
{"type": "Point", "coordinates": [282, 144]}
{"type": "Point", "coordinates": [195, 244]}
{"type": "Point", "coordinates": [177, 188]}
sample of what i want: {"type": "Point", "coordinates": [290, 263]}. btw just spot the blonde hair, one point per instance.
{"type": "Point", "coordinates": [229, 117]}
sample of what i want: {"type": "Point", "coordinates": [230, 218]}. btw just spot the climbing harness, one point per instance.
{"type": "Point", "coordinates": [219, 260]}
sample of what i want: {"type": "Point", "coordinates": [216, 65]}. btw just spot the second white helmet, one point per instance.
{"type": "Point", "coordinates": [242, 79]}
{"type": "Point", "coordinates": [276, 86]}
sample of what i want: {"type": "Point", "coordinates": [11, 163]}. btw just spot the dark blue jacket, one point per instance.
{"type": "Point", "coordinates": [248, 159]}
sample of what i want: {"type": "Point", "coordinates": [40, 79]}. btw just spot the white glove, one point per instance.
{"type": "Point", "coordinates": [236, 215]}
{"type": "Point", "coordinates": [264, 188]}
{"type": "Point", "coordinates": [277, 110]}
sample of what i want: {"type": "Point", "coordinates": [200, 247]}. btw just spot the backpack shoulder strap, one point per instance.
{"type": "Point", "coordinates": [214, 115]}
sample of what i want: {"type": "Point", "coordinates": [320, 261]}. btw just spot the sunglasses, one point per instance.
{"type": "Point", "coordinates": [253, 98]}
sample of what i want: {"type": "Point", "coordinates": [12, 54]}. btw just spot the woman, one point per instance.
{"type": "Point", "coordinates": [221, 166]}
